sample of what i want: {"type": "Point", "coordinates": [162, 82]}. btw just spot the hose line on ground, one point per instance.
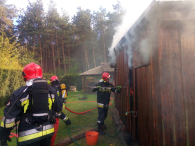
{"type": "Point", "coordinates": [69, 129]}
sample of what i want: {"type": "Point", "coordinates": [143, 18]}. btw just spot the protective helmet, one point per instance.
{"type": "Point", "coordinates": [105, 76]}
{"type": "Point", "coordinates": [31, 71]}
{"type": "Point", "coordinates": [53, 78]}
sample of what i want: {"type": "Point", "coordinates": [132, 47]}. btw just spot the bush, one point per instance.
{"type": "Point", "coordinates": [10, 80]}
{"type": "Point", "coordinates": [72, 80]}
{"type": "Point", "coordinates": [47, 76]}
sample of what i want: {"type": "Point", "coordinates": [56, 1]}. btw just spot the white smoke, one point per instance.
{"type": "Point", "coordinates": [134, 10]}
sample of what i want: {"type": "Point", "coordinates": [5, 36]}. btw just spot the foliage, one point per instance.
{"type": "Point", "coordinates": [56, 41]}
{"type": "Point", "coordinates": [10, 80]}
{"type": "Point", "coordinates": [59, 45]}
{"type": "Point", "coordinates": [7, 13]}
{"type": "Point", "coordinates": [9, 54]}
{"type": "Point", "coordinates": [47, 76]}
{"type": "Point", "coordinates": [26, 57]}
{"type": "Point", "coordinates": [72, 80]}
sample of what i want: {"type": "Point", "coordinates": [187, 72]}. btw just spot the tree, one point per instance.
{"type": "Point", "coordinates": [52, 25]}
{"type": "Point", "coordinates": [7, 13]}
{"type": "Point", "coordinates": [100, 27]}
{"type": "Point", "coordinates": [30, 28]}
{"type": "Point", "coordinates": [9, 54]}
{"type": "Point", "coordinates": [82, 23]}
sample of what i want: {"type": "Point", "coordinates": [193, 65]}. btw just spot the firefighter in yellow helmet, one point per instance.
{"type": "Point", "coordinates": [56, 85]}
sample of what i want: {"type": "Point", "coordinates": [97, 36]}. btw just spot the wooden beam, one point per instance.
{"type": "Point", "coordinates": [68, 141]}
{"type": "Point", "coordinates": [83, 84]}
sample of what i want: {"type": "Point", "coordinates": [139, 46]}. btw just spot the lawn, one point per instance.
{"type": "Point", "coordinates": [82, 122]}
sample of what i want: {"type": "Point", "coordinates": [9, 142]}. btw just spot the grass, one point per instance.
{"type": "Point", "coordinates": [83, 122]}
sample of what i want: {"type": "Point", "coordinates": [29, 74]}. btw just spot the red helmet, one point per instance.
{"type": "Point", "coordinates": [31, 71]}
{"type": "Point", "coordinates": [105, 76]}
{"type": "Point", "coordinates": [54, 78]}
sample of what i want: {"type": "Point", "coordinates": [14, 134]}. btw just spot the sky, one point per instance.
{"type": "Point", "coordinates": [134, 8]}
{"type": "Point", "coordinates": [71, 5]}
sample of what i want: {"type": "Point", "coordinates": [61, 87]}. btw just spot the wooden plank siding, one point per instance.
{"type": "Point", "coordinates": [188, 77]}
{"type": "Point", "coordinates": [163, 89]}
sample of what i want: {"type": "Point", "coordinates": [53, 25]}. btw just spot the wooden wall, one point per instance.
{"type": "Point", "coordinates": [164, 90]}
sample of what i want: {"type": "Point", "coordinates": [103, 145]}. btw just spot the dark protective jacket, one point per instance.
{"type": "Point", "coordinates": [56, 85]}
{"type": "Point", "coordinates": [103, 95]}
{"type": "Point", "coordinates": [27, 133]}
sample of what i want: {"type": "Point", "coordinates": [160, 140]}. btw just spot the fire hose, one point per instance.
{"type": "Point", "coordinates": [84, 111]}
{"type": "Point", "coordinates": [15, 135]}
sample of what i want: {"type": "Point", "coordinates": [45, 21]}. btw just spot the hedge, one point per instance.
{"type": "Point", "coordinates": [10, 80]}
{"type": "Point", "coordinates": [72, 80]}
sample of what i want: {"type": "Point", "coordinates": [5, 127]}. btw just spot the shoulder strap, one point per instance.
{"type": "Point", "coordinates": [30, 101]}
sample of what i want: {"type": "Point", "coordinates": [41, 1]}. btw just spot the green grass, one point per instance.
{"type": "Point", "coordinates": [82, 123]}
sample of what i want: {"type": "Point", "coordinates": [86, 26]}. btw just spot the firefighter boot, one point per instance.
{"type": "Point", "coordinates": [104, 127]}
{"type": "Point", "coordinates": [100, 131]}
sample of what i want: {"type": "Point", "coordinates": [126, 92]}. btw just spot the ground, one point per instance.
{"type": "Point", "coordinates": [82, 123]}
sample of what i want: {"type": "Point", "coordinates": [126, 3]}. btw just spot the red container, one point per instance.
{"type": "Point", "coordinates": [91, 137]}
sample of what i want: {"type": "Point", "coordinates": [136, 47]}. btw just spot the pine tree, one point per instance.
{"type": "Point", "coordinates": [82, 23]}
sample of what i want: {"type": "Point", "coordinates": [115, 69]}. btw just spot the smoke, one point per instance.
{"type": "Point", "coordinates": [134, 10]}
{"type": "Point", "coordinates": [143, 36]}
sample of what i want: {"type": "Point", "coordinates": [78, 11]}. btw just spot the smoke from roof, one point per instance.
{"type": "Point", "coordinates": [135, 9]}
{"type": "Point", "coordinates": [143, 36]}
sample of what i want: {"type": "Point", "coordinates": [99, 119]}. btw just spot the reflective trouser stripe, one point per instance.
{"type": "Point", "coordinates": [36, 135]}
{"type": "Point", "coordinates": [41, 114]}
{"type": "Point", "coordinates": [100, 105]}
{"type": "Point", "coordinates": [9, 125]}
{"type": "Point", "coordinates": [65, 119]}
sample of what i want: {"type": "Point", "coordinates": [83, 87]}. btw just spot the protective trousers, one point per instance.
{"type": "Point", "coordinates": [102, 112]}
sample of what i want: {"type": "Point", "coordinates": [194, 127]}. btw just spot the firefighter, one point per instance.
{"type": "Point", "coordinates": [103, 99]}
{"type": "Point", "coordinates": [34, 105]}
{"type": "Point", "coordinates": [56, 85]}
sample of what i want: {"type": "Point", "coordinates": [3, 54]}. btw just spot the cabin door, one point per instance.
{"type": "Point", "coordinates": [142, 95]}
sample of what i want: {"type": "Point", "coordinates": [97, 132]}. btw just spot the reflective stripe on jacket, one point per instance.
{"type": "Point", "coordinates": [27, 132]}
{"type": "Point", "coordinates": [33, 133]}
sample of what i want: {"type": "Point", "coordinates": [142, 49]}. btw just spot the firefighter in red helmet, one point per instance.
{"type": "Point", "coordinates": [103, 89]}
{"type": "Point", "coordinates": [56, 85]}
{"type": "Point", "coordinates": [35, 106]}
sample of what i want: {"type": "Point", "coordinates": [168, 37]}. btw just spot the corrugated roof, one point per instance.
{"type": "Point", "coordinates": [104, 67]}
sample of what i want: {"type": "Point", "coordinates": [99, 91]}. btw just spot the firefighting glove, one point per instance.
{"type": "Point", "coordinates": [118, 90]}
{"type": "Point", "coordinates": [67, 121]}
{"type": "Point", "coordinates": [98, 87]}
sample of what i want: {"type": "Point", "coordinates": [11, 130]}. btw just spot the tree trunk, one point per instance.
{"type": "Point", "coordinates": [46, 52]}
{"type": "Point", "coordinates": [34, 45]}
{"type": "Point", "coordinates": [58, 53]}
{"type": "Point", "coordinates": [86, 58]}
{"type": "Point", "coordinates": [92, 44]}
{"type": "Point", "coordinates": [93, 50]}
{"type": "Point", "coordinates": [69, 66]}
{"type": "Point", "coordinates": [40, 52]}
{"type": "Point", "coordinates": [64, 59]}
{"type": "Point", "coordinates": [54, 67]}
{"type": "Point", "coordinates": [104, 47]}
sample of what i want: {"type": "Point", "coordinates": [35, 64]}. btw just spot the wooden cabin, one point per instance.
{"type": "Point", "coordinates": [92, 76]}
{"type": "Point", "coordinates": [155, 65]}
